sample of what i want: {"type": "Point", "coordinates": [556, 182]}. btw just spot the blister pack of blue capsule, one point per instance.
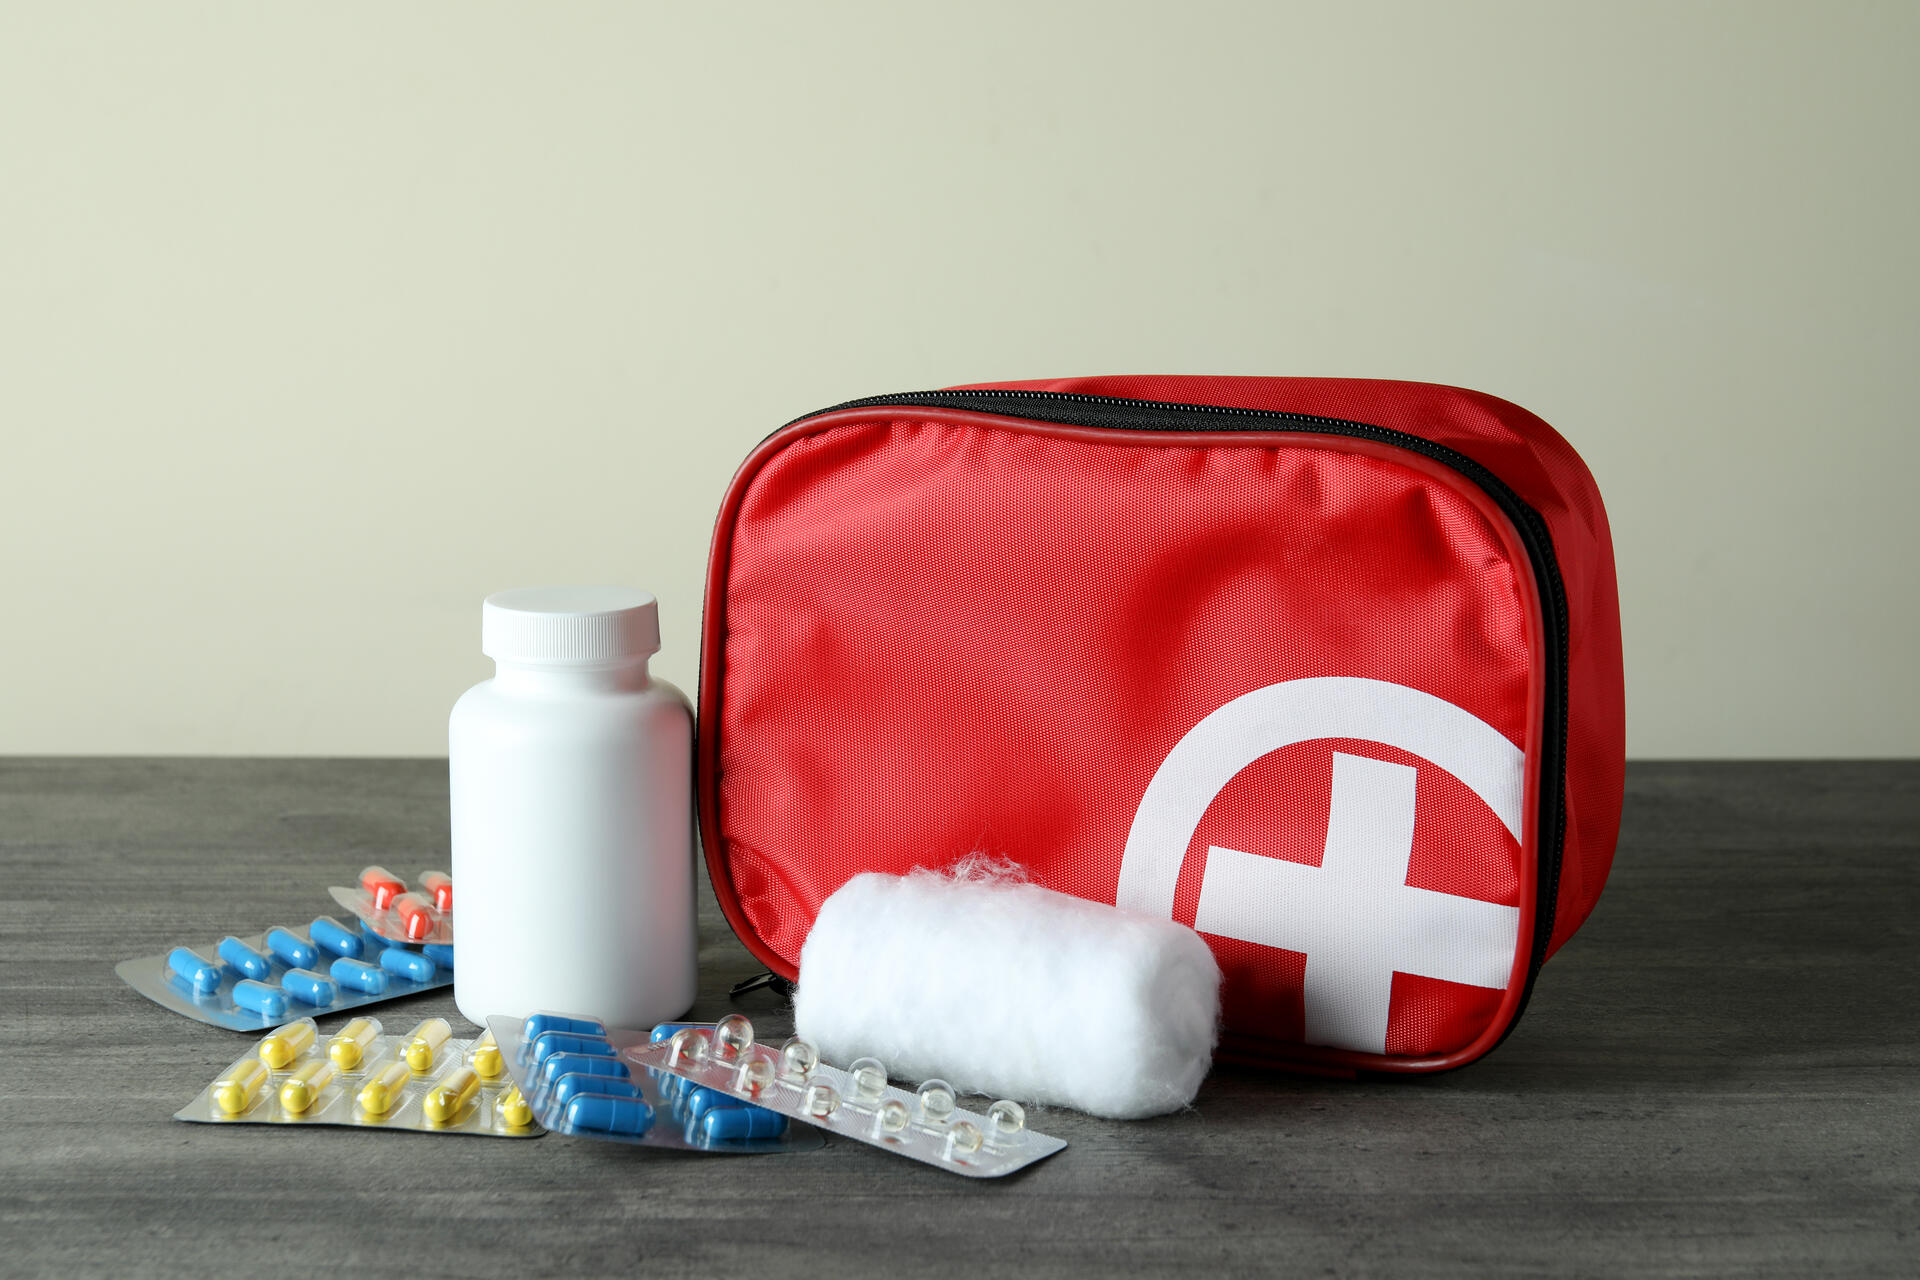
{"type": "Point", "coordinates": [391, 910]}
{"type": "Point", "coordinates": [577, 1074]}
{"type": "Point", "coordinates": [421, 1081]}
{"type": "Point", "coordinates": [256, 982]}
{"type": "Point", "coordinates": [924, 1124]}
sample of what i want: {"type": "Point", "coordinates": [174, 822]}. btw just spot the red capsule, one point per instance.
{"type": "Point", "coordinates": [440, 885]}
{"type": "Point", "coordinates": [382, 886]}
{"type": "Point", "coordinates": [417, 916]}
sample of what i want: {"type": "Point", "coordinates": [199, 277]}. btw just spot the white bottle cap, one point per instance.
{"type": "Point", "coordinates": [569, 624]}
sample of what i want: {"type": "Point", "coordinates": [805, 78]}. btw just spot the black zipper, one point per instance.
{"type": "Point", "coordinates": [1116, 413]}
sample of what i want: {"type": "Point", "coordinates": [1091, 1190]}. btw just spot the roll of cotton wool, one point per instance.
{"type": "Point", "coordinates": [1002, 987]}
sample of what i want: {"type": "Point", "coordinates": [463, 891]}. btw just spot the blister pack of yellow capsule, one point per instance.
{"type": "Point", "coordinates": [389, 908]}
{"type": "Point", "coordinates": [925, 1124]}
{"type": "Point", "coordinates": [576, 1074]}
{"type": "Point", "coordinates": [422, 1081]}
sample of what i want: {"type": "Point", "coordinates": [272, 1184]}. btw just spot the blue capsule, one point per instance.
{"type": "Point", "coordinates": [575, 1083]}
{"type": "Point", "coordinates": [336, 937]}
{"type": "Point", "coordinates": [373, 938]}
{"type": "Point", "coordinates": [735, 1124]}
{"type": "Point", "coordinates": [359, 975]}
{"type": "Point", "coordinates": [541, 1023]}
{"type": "Point", "coordinates": [410, 965]}
{"type": "Point", "coordinates": [666, 1029]}
{"type": "Point", "coordinates": [259, 997]}
{"type": "Point", "coordinates": [561, 1064]}
{"type": "Point", "coordinates": [552, 1042]}
{"type": "Point", "coordinates": [249, 962]}
{"type": "Point", "coordinates": [699, 1100]}
{"type": "Point", "coordinates": [607, 1114]}
{"type": "Point", "coordinates": [441, 953]}
{"type": "Point", "coordinates": [308, 987]}
{"type": "Point", "coordinates": [672, 1086]}
{"type": "Point", "coordinates": [290, 949]}
{"type": "Point", "coordinates": [199, 972]}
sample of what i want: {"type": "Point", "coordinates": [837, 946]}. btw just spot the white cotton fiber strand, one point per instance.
{"type": "Point", "coordinates": [1008, 989]}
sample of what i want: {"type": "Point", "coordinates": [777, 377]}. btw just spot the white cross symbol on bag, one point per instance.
{"type": "Point", "coordinates": [1354, 916]}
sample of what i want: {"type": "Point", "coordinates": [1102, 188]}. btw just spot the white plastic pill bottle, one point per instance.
{"type": "Point", "coordinates": [573, 837]}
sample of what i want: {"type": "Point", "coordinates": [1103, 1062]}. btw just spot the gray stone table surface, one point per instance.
{"type": "Point", "coordinates": [1720, 1075]}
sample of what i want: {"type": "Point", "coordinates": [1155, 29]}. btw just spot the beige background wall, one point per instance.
{"type": "Point", "coordinates": [319, 322]}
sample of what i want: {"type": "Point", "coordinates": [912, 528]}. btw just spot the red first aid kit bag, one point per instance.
{"type": "Point", "coordinates": [1327, 669]}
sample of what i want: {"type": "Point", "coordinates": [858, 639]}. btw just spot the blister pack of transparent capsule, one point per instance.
{"type": "Point", "coordinates": [576, 1073]}
{"type": "Point", "coordinates": [422, 1080]}
{"type": "Point", "coordinates": [925, 1124]}
{"type": "Point", "coordinates": [422, 915]}
{"type": "Point", "coordinates": [255, 982]}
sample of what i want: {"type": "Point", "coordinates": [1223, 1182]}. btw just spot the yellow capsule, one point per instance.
{"type": "Point", "coordinates": [381, 1093]}
{"type": "Point", "coordinates": [513, 1108]}
{"type": "Point", "coordinates": [424, 1043]}
{"type": "Point", "coordinates": [450, 1094]}
{"type": "Point", "coordinates": [299, 1091]}
{"type": "Point", "coordinates": [486, 1057]}
{"type": "Point", "coordinates": [235, 1091]}
{"type": "Point", "coordinates": [281, 1047]}
{"type": "Point", "coordinates": [349, 1045]}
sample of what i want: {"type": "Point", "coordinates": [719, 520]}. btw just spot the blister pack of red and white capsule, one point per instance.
{"type": "Point", "coordinates": [422, 915]}
{"type": "Point", "coordinates": [924, 1124]}
{"type": "Point", "coordinates": [423, 1081]}
{"type": "Point", "coordinates": [580, 1079]}
{"type": "Point", "coordinates": [256, 982]}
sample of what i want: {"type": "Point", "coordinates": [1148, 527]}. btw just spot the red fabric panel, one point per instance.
{"type": "Point", "coordinates": [939, 639]}
{"type": "Point", "coordinates": [1534, 460]}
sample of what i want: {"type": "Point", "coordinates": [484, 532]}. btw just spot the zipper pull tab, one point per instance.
{"type": "Point", "coordinates": [772, 981]}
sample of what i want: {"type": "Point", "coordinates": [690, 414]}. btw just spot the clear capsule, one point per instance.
{"type": "Point", "coordinates": [308, 987]}
{"type": "Point", "coordinates": [424, 1042]}
{"type": "Point", "coordinates": [538, 1024]}
{"type": "Point", "coordinates": [732, 1037]}
{"type": "Point", "coordinates": [869, 1081]}
{"type": "Point", "coordinates": [418, 919]}
{"type": "Point", "coordinates": [303, 1088]}
{"type": "Point", "coordinates": [195, 970]}
{"type": "Point", "coordinates": [513, 1108]}
{"type": "Point", "coordinates": [249, 963]}
{"type": "Point", "coordinates": [383, 1090]}
{"type": "Point", "coordinates": [821, 1100]}
{"type": "Point", "coordinates": [687, 1047]}
{"type": "Point", "coordinates": [890, 1118]}
{"type": "Point", "coordinates": [936, 1103]}
{"type": "Point", "coordinates": [258, 997]}
{"type": "Point", "coordinates": [797, 1060]}
{"type": "Point", "coordinates": [234, 1092]}
{"type": "Point", "coordinates": [447, 1098]}
{"type": "Point", "coordinates": [1006, 1119]}
{"type": "Point", "coordinates": [381, 886]}
{"type": "Point", "coordinates": [486, 1057]}
{"type": "Point", "coordinates": [755, 1074]}
{"type": "Point", "coordinates": [963, 1139]}
{"type": "Point", "coordinates": [282, 1046]}
{"type": "Point", "coordinates": [349, 1045]}
{"type": "Point", "coordinates": [440, 885]}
